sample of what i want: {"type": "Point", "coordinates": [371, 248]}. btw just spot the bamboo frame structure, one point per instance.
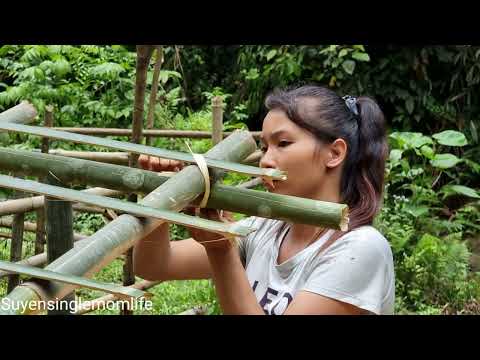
{"type": "Point", "coordinates": [123, 178]}
{"type": "Point", "coordinates": [122, 233]}
{"type": "Point", "coordinates": [272, 174]}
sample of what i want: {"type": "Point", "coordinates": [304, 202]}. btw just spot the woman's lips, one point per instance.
{"type": "Point", "coordinates": [269, 183]}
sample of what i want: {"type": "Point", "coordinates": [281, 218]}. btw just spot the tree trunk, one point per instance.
{"type": "Point", "coordinates": [153, 93]}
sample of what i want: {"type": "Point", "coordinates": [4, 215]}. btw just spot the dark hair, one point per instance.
{"type": "Point", "coordinates": [326, 115]}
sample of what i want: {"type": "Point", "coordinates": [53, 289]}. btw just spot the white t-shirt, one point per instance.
{"type": "Point", "coordinates": [356, 269]}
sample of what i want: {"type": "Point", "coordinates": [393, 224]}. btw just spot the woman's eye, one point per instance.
{"type": "Point", "coordinates": [284, 143]}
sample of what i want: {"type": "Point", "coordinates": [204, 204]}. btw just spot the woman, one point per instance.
{"type": "Point", "coordinates": [333, 149]}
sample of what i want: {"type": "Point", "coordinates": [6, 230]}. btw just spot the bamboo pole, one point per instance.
{"type": "Point", "coordinates": [16, 246]}
{"type": "Point", "coordinates": [245, 201]}
{"type": "Point", "coordinates": [273, 174]}
{"type": "Point", "coordinates": [121, 158]}
{"type": "Point", "coordinates": [157, 133]}
{"type": "Point", "coordinates": [143, 59]}
{"type": "Point", "coordinates": [59, 231]}
{"type": "Point", "coordinates": [122, 233]}
{"type": "Point", "coordinates": [217, 119]}
{"type": "Point", "coordinates": [41, 259]}
{"type": "Point", "coordinates": [229, 230]}
{"type": "Point", "coordinates": [153, 93]}
{"type": "Point", "coordinates": [9, 207]}
{"type": "Point", "coordinates": [72, 280]}
{"type": "Point", "coordinates": [96, 304]}
{"type": "Point", "coordinates": [32, 227]}
{"type": "Point", "coordinates": [40, 212]}
{"type": "Point", "coordinates": [23, 113]}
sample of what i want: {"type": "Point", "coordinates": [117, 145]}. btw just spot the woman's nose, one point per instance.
{"type": "Point", "coordinates": [267, 161]}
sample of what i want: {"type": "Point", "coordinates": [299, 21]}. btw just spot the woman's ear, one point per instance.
{"type": "Point", "coordinates": [337, 151]}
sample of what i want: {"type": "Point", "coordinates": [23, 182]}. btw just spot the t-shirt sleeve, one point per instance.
{"type": "Point", "coordinates": [355, 272]}
{"type": "Point", "coordinates": [243, 242]}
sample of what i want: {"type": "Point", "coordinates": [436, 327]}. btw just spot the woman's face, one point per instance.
{"type": "Point", "coordinates": [290, 148]}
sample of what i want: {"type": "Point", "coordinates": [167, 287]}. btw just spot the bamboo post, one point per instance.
{"type": "Point", "coordinates": [217, 120]}
{"type": "Point", "coordinates": [144, 54]}
{"type": "Point", "coordinates": [16, 245]}
{"type": "Point", "coordinates": [59, 226]}
{"type": "Point", "coordinates": [122, 233]}
{"type": "Point", "coordinates": [40, 213]}
{"type": "Point", "coordinates": [153, 93]}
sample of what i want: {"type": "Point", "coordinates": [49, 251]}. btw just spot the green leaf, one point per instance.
{"type": "Point", "coordinates": [360, 56]}
{"type": "Point", "coordinates": [416, 211]}
{"type": "Point", "coordinates": [410, 140]}
{"type": "Point", "coordinates": [271, 54]}
{"type": "Point", "coordinates": [427, 151]}
{"type": "Point", "coordinates": [342, 53]}
{"type": "Point", "coordinates": [451, 138]}
{"type": "Point", "coordinates": [348, 66]}
{"type": "Point", "coordinates": [444, 161]}
{"type": "Point", "coordinates": [460, 189]}
{"type": "Point", "coordinates": [395, 155]}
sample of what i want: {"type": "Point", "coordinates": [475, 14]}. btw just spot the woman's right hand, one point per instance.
{"type": "Point", "coordinates": [154, 163]}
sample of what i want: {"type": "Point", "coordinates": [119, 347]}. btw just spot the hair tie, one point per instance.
{"type": "Point", "coordinates": [351, 103]}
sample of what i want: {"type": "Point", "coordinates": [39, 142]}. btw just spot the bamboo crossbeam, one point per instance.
{"type": "Point", "coordinates": [121, 158]}
{"type": "Point", "coordinates": [124, 292]}
{"type": "Point", "coordinates": [30, 186]}
{"type": "Point", "coordinates": [16, 206]}
{"type": "Point", "coordinates": [245, 201]}
{"type": "Point", "coordinates": [32, 227]}
{"type": "Point", "coordinates": [273, 174]}
{"type": "Point", "coordinates": [189, 134]}
{"type": "Point", "coordinates": [41, 259]}
{"type": "Point", "coordinates": [122, 233]}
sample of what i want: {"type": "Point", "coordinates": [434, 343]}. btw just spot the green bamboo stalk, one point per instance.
{"type": "Point", "coordinates": [124, 292]}
{"type": "Point", "coordinates": [146, 150]}
{"type": "Point", "coordinates": [249, 202]}
{"type": "Point", "coordinates": [23, 113]}
{"type": "Point", "coordinates": [114, 204]}
{"type": "Point", "coordinates": [245, 201]}
{"type": "Point", "coordinates": [122, 233]}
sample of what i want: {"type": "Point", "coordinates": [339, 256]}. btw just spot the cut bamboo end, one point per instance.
{"type": "Point", "coordinates": [345, 219]}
